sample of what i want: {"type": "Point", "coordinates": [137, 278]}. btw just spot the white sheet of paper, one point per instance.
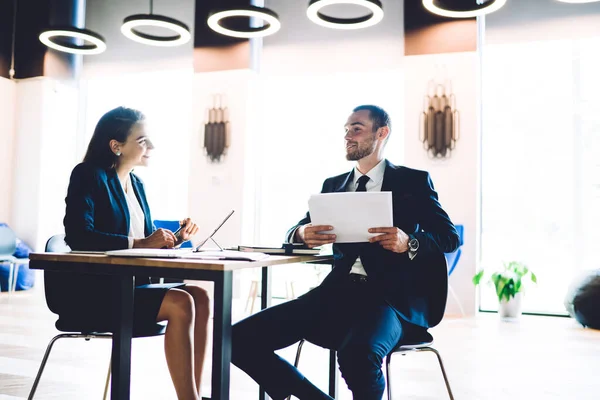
{"type": "Point", "coordinates": [352, 214]}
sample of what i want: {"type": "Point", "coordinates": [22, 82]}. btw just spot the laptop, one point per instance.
{"type": "Point", "coordinates": [176, 253]}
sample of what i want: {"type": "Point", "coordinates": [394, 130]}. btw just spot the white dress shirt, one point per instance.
{"type": "Point", "coordinates": [373, 185]}
{"type": "Point", "coordinates": [136, 214]}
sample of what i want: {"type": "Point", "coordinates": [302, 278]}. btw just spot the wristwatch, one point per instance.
{"type": "Point", "coordinates": [413, 244]}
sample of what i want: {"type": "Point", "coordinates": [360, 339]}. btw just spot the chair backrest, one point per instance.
{"type": "Point", "coordinates": [57, 244]}
{"type": "Point", "coordinates": [453, 257]}
{"type": "Point", "coordinates": [8, 241]}
{"type": "Point", "coordinates": [54, 282]}
{"type": "Point", "coordinates": [172, 226]}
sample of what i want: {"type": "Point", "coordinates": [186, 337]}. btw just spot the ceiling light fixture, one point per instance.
{"type": "Point", "coordinates": [11, 71]}
{"type": "Point", "coordinates": [458, 8]}
{"type": "Point", "coordinates": [374, 17]}
{"type": "Point", "coordinates": [131, 25]}
{"type": "Point", "coordinates": [96, 42]}
{"type": "Point", "coordinates": [270, 18]}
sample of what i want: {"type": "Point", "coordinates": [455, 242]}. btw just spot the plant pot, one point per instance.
{"type": "Point", "coordinates": [511, 308]}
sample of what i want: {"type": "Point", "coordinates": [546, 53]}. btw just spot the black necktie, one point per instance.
{"type": "Point", "coordinates": [362, 183]}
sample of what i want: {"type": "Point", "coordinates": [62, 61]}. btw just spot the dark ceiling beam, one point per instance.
{"type": "Point", "coordinates": [427, 33]}
{"type": "Point", "coordinates": [206, 37]}
{"type": "Point", "coordinates": [32, 58]}
{"type": "Point", "coordinates": [6, 29]}
{"type": "Point", "coordinates": [216, 52]}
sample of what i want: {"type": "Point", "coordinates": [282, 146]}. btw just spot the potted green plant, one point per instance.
{"type": "Point", "coordinates": [509, 287]}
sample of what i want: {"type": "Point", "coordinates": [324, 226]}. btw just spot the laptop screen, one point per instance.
{"type": "Point", "coordinates": [215, 231]}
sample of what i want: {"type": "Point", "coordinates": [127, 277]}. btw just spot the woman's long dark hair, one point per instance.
{"type": "Point", "coordinates": [115, 124]}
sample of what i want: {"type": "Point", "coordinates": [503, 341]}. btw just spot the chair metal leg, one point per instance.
{"type": "Point", "coordinates": [15, 276]}
{"type": "Point", "coordinates": [49, 348]}
{"type": "Point", "coordinates": [297, 360]}
{"type": "Point", "coordinates": [11, 274]}
{"type": "Point", "coordinates": [388, 359]}
{"type": "Point", "coordinates": [439, 357]}
{"type": "Point", "coordinates": [455, 297]}
{"type": "Point", "coordinates": [106, 386]}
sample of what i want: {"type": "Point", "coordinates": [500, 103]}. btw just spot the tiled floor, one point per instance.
{"type": "Point", "coordinates": [534, 358]}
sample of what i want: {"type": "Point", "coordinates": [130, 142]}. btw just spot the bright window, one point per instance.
{"type": "Point", "coordinates": [166, 99]}
{"type": "Point", "coordinates": [541, 164]}
{"type": "Point", "coordinates": [301, 138]}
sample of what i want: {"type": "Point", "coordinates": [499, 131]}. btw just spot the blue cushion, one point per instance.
{"type": "Point", "coordinates": [25, 276]}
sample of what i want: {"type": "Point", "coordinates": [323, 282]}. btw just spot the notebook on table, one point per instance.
{"type": "Point", "coordinates": [286, 249]}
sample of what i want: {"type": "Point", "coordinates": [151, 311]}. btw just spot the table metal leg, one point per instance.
{"type": "Point", "coordinates": [121, 343]}
{"type": "Point", "coordinates": [333, 376]}
{"type": "Point", "coordinates": [265, 301]}
{"type": "Point", "coordinates": [221, 357]}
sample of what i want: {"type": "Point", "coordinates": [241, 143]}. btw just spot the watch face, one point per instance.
{"type": "Point", "coordinates": [413, 244]}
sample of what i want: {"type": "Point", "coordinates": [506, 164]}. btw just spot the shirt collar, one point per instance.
{"type": "Point", "coordinates": [375, 174]}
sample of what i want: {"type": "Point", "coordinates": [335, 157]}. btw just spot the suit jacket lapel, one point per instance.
{"type": "Point", "coordinates": [344, 183]}
{"type": "Point", "coordinates": [386, 186]}
{"type": "Point", "coordinates": [119, 194]}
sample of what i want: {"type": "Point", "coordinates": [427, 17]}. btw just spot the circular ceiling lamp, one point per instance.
{"type": "Point", "coordinates": [130, 28]}
{"type": "Point", "coordinates": [269, 17]}
{"type": "Point", "coordinates": [66, 40]}
{"type": "Point", "coordinates": [375, 15]}
{"type": "Point", "coordinates": [463, 8]}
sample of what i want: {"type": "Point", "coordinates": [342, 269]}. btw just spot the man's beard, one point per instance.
{"type": "Point", "coordinates": [361, 151]}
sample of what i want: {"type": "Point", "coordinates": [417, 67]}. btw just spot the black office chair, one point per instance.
{"type": "Point", "coordinates": [76, 326]}
{"type": "Point", "coordinates": [417, 343]}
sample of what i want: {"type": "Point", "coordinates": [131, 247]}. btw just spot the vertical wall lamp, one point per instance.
{"type": "Point", "coordinates": [440, 120]}
{"type": "Point", "coordinates": [217, 130]}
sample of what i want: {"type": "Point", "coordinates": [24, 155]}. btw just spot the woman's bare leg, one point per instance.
{"type": "Point", "coordinates": [178, 308]}
{"type": "Point", "coordinates": [201, 302]}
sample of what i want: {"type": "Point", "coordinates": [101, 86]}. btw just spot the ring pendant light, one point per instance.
{"type": "Point", "coordinates": [269, 17]}
{"type": "Point", "coordinates": [313, 12]}
{"type": "Point", "coordinates": [131, 25]}
{"type": "Point", "coordinates": [478, 7]}
{"type": "Point", "coordinates": [96, 42]}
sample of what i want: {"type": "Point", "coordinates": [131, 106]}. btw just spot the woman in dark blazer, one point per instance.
{"type": "Point", "coordinates": [107, 210]}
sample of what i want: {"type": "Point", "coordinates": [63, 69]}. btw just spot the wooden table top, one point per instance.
{"type": "Point", "coordinates": [175, 263]}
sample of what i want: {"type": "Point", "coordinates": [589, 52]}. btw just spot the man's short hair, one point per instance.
{"type": "Point", "coordinates": [378, 115]}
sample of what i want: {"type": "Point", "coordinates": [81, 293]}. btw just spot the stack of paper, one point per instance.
{"type": "Point", "coordinates": [352, 214]}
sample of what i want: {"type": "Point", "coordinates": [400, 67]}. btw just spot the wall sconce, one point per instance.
{"type": "Point", "coordinates": [439, 126]}
{"type": "Point", "coordinates": [217, 132]}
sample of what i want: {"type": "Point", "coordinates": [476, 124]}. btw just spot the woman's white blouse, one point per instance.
{"type": "Point", "coordinates": [136, 215]}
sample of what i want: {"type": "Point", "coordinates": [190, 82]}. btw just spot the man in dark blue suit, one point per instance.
{"type": "Point", "coordinates": [378, 293]}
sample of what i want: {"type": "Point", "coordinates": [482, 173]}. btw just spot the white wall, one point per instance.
{"type": "Point", "coordinates": [456, 179]}
{"type": "Point", "coordinates": [7, 138]}
{"type": "Point", "coordinates": [217, 188]}
{"type": "Point", "coordinates": [165, 97]}
{"type": "Point", "coordinates": [45, 150]}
